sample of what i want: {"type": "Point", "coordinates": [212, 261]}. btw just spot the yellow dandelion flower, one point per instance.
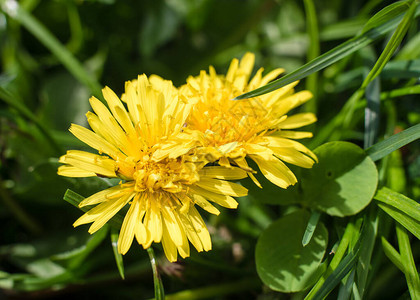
{"type": "Point", "coordinates": [161, 182]}
{"type": "Point", "coordinates": [258, 128]}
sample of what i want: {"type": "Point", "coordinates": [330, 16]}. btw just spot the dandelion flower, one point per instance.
{"type": "Point", "coordinates": [161, 181]}
{"type": "Point", "coordinates": [258, 128]}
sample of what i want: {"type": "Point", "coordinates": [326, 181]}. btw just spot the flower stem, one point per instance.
{"type": "Point", "coordinates": [159, 291]}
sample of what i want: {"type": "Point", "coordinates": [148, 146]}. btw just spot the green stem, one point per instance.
{"type": "Point", "coordinates": [159, 291]}
{"type": "Point", "coordinates": [26, 220]}
{"type": "Point", "coordinates": [313, 52]}
{"type": "Point", "coordinates": [16, 12]}
{"type": "Point", "coordinates": [216, 291]}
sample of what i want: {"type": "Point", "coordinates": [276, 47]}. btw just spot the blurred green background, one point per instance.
{"type": "Point", "coordinates": [41, 255]}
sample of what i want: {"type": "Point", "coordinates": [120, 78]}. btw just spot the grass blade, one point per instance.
{"type": "Point", "coordinates": [393, 43]}
{"type": "Point", "coordinates": [372, 111]}
{"type": "Point", "coordinates": [345, 266]}
{"type": "Point", "coordinates": [389, 22]}
{"type": "Point", "coordinates": [383, 148]}
{"type": "Point", "coordinates": [346, 289]}
{"type": "Point", "coordinates": [411, 274]}
{"type": "Point", "coordinates": [351, 231]}
{"type": "Point", "coordinates": [399, 201]}
{"type": "Point", "coordinates": [313, 52]}
{"type": "Point", "coordinates": [117, 255]}
{"type": "Point", "coordinates": [392, 254]}
{"type": "Point", "coordinates": [159, 291]}
{"type": "Point", "coordinates": [310, 228]}
{"type": "Point", "coordinates": [410, 224]}
{"type": "Point", "coordinates": [368, 239]}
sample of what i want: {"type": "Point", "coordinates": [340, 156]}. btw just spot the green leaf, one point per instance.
{"type": "Point", "coordinates": [402, 69]}
{"type": "Point", "coordinates": [399, 201]}
{"type": "Point", "coordinates": [393, 43]}
{"type": "Point", "coordinates": [410, 224]}
{"type": "Point", "coordinates": [282, 262]}
{"type": "Point", "coordinates": [372, 111]}
{"type": "Point", "coordinates": [411, 274]}
{"type": "Point", "coordinates": [388, 23]}
{"type": "Point", "coordinates": [345, 266]}
{"type": "Point", "coordinates": [313, 51]}
{"type": "Point", "coordinates": [385, 147]}
{"type": "Point", "coordinates": [391, 11]}
{"type": "Point", "coordinates": [117, 255]}
{"type": "Point", "coordinates": [367, 243]}
{"type": "Point", "coordinates": [338, 186]}
{"type": "Point", "coordinates": [310, 228]}
{"type": "Point", "coordinates": [392, 254]}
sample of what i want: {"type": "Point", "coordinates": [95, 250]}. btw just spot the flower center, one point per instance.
{"type": "Point", "coordinates": [227, 122]}
{"type": "Point", "coordinates": [170, 175]}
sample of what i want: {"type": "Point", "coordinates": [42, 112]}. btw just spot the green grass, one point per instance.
{"type": "Point", "coordinates": [359, 59]}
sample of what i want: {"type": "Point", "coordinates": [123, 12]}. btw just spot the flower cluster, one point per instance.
{"type": "Point", "coordinates": [175, 148]}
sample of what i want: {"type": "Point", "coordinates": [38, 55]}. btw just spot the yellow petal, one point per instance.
{"type": "Point", "coordinates": [200, 228]}
{"type": "Point", "coordinates": [190, 231]}
{"type": "Point", "coordinates": [168, 246]}
{"type": "Point", "coordinates": [111, 126]}
{"type": "Point", "coordinates": [220, 172]}
{"type": "Point", "coordinates": [222, 187]}
{"type": "Point", "coordinates": [222, 200]}
{"type": "Point", "coordinates": [93, 140]}
{"type": "Point", "coordinates": [118, 110]}
{"type": "Point", "coordinates": [271, 76]}
{"type": "Point", "coordinates": [204, 204]}
{"type": "Point", "coordinates": [104, 195]}
{"type": "Point", "coordinates": [297, 121]}
{"type": "Point", "coordinates": [90, 162]}
{"type": "Point", "coordinates": [176, 232]}
{"type": "Point", "coordinates": [70, 171]}
{"type": "Point", "coordinates": [294, 134]}
{"type": "Point", "coordinates": [292, 101]}
{"type": "Point", "coordinates": [255, 180]}
{"type": "Point", "coordinates": [230, 76]}
{"type": "Point", "coordinates": [140, 230]}
{"type": "Point", "coordinates": [275, 171]}
{"type": "Point", "coordinates": [103, 212]}
{"type": "Point", "coordinates": [278, 142]}
{"type": "Point", "coordinates": [107, 214]}
{"type": "Point", "coordinates": [127, 231]}
{"type": "Point", "coordinates": [153, 220]}
{"type": "Point", "coordinates": [294, 157]}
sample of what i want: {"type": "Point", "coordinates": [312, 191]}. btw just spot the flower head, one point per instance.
{"type": "Point", "coordinates": [162, 178]}
{"type": "Point", "coordinates": [257, 128]}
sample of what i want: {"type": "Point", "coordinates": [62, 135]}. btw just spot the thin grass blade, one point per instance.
{"type": "Point", "coordinates": [392, 254]}
{"type": "Point", "coordinates": [410, 224]}
{"type": "Point", "coordinates": [388, 23]}
{"type": "Point", "coordinates": [385, 147]}
{"type": "Point", "coordinates": [117, 255]}
{"type": "Point", "coordinates": [399, 201]}
{"type": "Point", "coordinates": [411, 274]}
{"type": "Point", "coordinates": [310, 228]}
